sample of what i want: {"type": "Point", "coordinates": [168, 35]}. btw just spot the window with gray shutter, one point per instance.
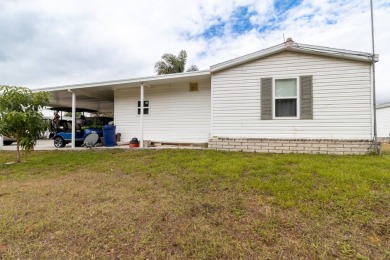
{"type": "Point", "coordinates": [266, 98]}
{"type": "Point", "coordinates": [306, 96]}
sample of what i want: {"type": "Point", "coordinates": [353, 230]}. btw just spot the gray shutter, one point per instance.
{"type": "Point", "coordinates": [266, 98]}
{"type": "Point", "coordinates": [306, 87]}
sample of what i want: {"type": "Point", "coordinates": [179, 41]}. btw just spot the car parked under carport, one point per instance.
{"type": "Point", "coordinates": [8, 140]}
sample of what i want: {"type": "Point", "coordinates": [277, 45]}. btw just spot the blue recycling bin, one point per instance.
{"type": "Point", "coordinates": [109, 135]}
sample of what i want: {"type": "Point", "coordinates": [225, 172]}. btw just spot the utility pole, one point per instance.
{"type": "Point", "coordinates": [373, 79]}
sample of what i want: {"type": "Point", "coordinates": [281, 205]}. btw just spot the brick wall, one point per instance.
{"type": "Point", "coordinates": [313, 146]}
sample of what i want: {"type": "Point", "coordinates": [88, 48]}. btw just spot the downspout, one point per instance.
{"type": "Point", "coordinates": [373, 80]}
{"type": "Point", "coordinates": [142, 116]}
{"type": "Point", "coordinates": [212, 109]}
{"type": "Point", "coordinates": [73, 118]}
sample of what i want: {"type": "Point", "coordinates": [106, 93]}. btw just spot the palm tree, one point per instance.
{"type": "Point", "coordinates": [173, 64]}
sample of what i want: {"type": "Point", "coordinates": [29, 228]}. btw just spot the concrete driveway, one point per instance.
{"type": "Point", "coordinates": [49, 145]}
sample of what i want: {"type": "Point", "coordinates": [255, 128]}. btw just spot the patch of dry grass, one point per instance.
{"type": "Point", "coordinates": [194, 204]}
{"type": "Point", "coordinates": [385, 148]}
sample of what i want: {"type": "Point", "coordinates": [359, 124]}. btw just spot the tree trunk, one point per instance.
{"type": "Point", "coordinates": [17, 152]}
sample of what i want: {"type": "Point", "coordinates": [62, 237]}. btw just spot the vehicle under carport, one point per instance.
{"type": "Point", "coordinates": [8, 140]}
{"type": "Point", "coordinates": [61, 133]}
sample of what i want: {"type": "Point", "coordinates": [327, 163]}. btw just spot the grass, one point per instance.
{"type": "Point", "coordinates": [194, 204]}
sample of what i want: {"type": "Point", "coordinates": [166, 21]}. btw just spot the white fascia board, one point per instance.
{"type": "Point", "coordinates": [333, 52]}
{"type": "Point", "coordinates": [296, 47]}
{"type": "Point", "coordinates": [148, 79]}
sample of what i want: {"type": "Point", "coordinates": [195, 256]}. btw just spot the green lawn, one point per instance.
{"type": "Point", "coordinates": [194, 204]}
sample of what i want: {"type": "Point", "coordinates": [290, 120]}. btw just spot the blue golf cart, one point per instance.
{"type": "Point", "coordinates": [64, 136]}
{"type": "Point", "coordinates": [62, 131]}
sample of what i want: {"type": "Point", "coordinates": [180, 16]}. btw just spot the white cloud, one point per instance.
{"type": "Point", "coordinates": [56, 42]}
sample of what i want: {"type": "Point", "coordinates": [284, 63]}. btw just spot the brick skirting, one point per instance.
{"type": "Point", "coordinates": [312, 146]}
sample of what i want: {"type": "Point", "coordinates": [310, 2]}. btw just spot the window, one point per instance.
{"type": "Point", "coordinates": [288, 98]}
{"type": "Point", "coordinates": [146, 107]}
{"type": "Point", "coordinates": [285, 98]}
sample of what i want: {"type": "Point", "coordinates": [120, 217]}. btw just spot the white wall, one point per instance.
{"type": "Point", "coordinates": [341, 97]}
{"type": "Point", "coordinates": [383, 121]}
{"type": "Point", "coordinates": [176, 114]}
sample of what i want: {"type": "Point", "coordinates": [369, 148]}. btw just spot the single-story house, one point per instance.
{"type": "Point", "coordinates": [291, 97]}
{"type": "Point", "coordinates": [383, 120]}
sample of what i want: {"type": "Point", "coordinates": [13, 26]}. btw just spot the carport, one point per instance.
{"type": "Point", "coordinates": [100, 96]}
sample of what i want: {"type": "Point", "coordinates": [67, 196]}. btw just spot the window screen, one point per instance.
{"type": "Point", "coordinates": [286, 96]}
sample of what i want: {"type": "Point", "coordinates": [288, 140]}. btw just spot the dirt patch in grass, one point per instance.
{"type": "Point", "coordinates": [194, 204]}
{"type": "Point", "coordinates": [385, 148]}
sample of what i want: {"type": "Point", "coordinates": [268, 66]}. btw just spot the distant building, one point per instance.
{"type": "Point", "coordinates": [383, 119]}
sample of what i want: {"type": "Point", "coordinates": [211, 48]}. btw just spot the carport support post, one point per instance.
{"type": "Point", "coordinates": [142, 116]}
{"type": "Point", "coordinates": [73, 119]}
{"type": "Point", "coordinates": [1, 142]}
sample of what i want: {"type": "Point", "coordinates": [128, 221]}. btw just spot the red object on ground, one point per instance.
{"type": "Point", "coordinates": [133, 145]}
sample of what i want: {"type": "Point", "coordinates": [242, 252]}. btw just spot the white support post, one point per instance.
{"type": "Point", "coordinates": [142, 117]}
{"type": "Point", "coordinates": [1, 142]}
{"type": "Point", "coordinates": [73, 119]}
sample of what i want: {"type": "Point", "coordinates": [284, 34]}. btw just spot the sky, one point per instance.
{"type": "Point", "coordinates": [48, 43]}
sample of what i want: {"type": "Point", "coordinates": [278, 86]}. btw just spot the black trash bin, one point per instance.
{"type": "Point", "coordinates": [109, 135]}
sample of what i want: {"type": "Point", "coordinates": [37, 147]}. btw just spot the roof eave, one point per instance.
{"type": "Point", "coordinates": [332, 52]}
{"type": "Point", "coordinates": [148, 79]}
{"type": "Point", "coordinates": [247, 58]}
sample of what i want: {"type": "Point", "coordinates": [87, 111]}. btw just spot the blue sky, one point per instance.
{"type": "Point", "coordinates": [57, 42]}
{"type": "Point", "coordinates": [241, 20]}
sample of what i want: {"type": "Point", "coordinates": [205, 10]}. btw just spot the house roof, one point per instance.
{"type": "Point", "coordinates": [383, 105]}
{"type": "Point", "coordinates": [290, 45]}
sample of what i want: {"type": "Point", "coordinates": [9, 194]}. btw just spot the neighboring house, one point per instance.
{"type": "Point", "coordinates": [383, 119]}
{"type": "Point", "coordinates": [288, 98]}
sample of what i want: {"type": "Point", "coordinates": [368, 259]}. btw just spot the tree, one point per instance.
{"type": "Point", "coordinates": [173, 64]}
{"type": "Point", "coordinates": [20, 116]}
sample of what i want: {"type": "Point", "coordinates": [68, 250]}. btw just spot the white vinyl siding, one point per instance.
{"type": "Point", "coordinates": [341, 98]}
{"type": "Point", "coordinates": [175, 113]}
{"type": "Point", "coordinates": [383, 121]}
